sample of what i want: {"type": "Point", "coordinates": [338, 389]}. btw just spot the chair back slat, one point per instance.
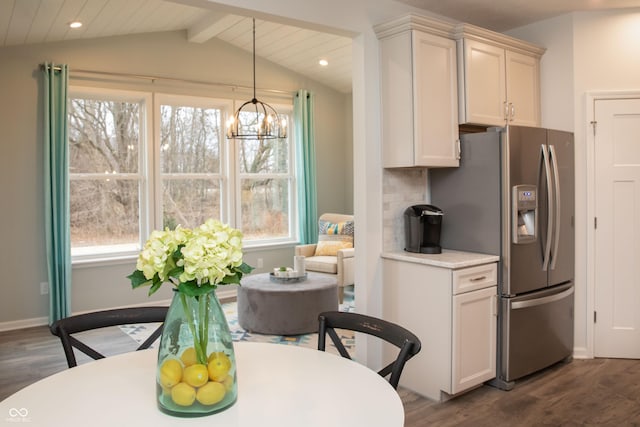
{"type": "Point", "coordinates": [65, 328]}
{"type": "Point", "coordinates": [408, 343]}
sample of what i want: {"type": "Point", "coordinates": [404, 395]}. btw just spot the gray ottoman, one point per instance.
{"type": "Point", "coordinates": [274, 308]}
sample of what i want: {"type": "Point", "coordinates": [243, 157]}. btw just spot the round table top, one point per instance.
{"type": "Point", "coordinates": [278, 385]}
{"type": "Point", "coordinates": [263, 282]}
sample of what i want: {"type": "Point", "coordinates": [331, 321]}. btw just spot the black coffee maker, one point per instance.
{"type": "Point", "coordinates": [422, 225]}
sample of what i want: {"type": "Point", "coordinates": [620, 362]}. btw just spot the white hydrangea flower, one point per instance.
{"type": "Point", "coordinates": [212, 252]}
{"type": "Point", "coordinates": [155, 256]}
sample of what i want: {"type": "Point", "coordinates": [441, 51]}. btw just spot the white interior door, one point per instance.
{"type": "Point", "coordinates": [617, 236]}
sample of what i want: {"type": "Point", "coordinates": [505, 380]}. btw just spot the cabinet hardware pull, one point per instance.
{"type": "Point", "coordinates": [477, 279]}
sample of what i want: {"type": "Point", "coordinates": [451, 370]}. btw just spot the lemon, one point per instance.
{"type": "Point", "coordinates": [183, 394]}
{"type": "Point", "coordinates": [196, 375]}
{"type": "Point", "coordinates": [219, 366]}
{"type": "Point", "coordinates": [188, 357]}
{"type": "Point", "coordinates": [170, 373]}
{"type": "Point", "coordinates": [228, 382]}
{"type": "Point", "coordinates": [211, 393]}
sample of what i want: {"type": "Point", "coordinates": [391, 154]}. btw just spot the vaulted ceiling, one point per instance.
{"type": "Point", "coordinates": [299, 49]}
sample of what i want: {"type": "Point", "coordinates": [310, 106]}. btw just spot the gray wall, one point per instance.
{"type": "Point", "coordinates": [22, 259]}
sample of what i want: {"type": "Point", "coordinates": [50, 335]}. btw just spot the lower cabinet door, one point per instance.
{"type": "Point", "coordinates": [474, 322]}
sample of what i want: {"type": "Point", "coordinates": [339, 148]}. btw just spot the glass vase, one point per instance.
{"type": "Point", "coordinates": [196, 373]}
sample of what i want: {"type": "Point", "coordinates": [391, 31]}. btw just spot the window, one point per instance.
{"type": "Point", "coordinates": [191, 169]}
{"type": "Point", "coordinates": [266, 187]}
{"type": "Point", "coordinates": [106, 172]}
{"type": "Point", "coordinates": [127, 180]}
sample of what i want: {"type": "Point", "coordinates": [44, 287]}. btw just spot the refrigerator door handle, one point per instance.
{"type": "Point", "coordinates": [543, 300]}
{"type": "Point", "coordinates": [547, 174]}
{"type": "Point", "coordinates": [556, 182]}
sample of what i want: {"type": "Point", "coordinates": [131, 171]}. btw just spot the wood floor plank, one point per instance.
{"type": "Point", "coordinates": [598, 392]}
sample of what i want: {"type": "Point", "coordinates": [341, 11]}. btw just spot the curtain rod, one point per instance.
{"type": "Point", "coordinates": [170, 79]}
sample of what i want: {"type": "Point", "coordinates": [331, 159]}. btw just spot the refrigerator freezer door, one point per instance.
{"type": "Point", "coordinates": [537, 331]}
{"type": "Point", "coordinates": [522, 263]}
{"type": "Point", "coordinates": [562, 259]}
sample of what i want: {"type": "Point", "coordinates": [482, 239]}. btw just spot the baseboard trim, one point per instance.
{"type": "Point", "coordinates": [42, 321]}
{"type": "Point", "coordinates": [226, 295]}
{"type": "Point", "coordinates": [23, 324]}
{"type": "Point", "coordinates": [581, 353]}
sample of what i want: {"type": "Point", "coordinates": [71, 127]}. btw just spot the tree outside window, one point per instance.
{"type": "Point", "coordinates": [104, 173]}
{"type": "Point", "coordinates": [190, 165]}
{"type": "Point", "coordinates": [126, 180]}
{"type": "Point", "coordinates": [266, 180]}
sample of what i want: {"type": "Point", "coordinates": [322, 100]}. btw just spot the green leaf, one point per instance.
{"type": "Point", "coordinates": [137, 279]}
{"type": "Point", "coordinates": [191, 289]}
{"type": "Point", "coordinates": [227, 280]}
{"type": "Point", "coordinates": [177, 254]}
{"type": "Point", "coordinates": [245, 268]}
{"type": "Point", "coordinates": [176, 272]}
{"type": "Point", "coordinates": [156, 285]}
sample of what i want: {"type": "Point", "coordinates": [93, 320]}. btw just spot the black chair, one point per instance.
{"type": "Point", "coordinates": [406, 341]}
{"type": "Point", "coordinates": [64, 328]}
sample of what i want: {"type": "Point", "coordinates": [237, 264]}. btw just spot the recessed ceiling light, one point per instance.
{"type": "Point", "coordinates": [75, 24]}
{"type": "Point", "coordinates": [323, 62]}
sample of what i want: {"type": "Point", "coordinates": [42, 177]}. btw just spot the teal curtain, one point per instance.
{"type": "Point", "coordinates": [306, 166]}
{"type": "Point", "coordinates": [56, 190]}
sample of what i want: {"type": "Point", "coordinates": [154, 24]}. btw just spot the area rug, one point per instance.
{"type": "Point", "coordinates": [140, 332]}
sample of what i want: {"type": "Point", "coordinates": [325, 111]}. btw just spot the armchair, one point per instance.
{"type": "Point", "coordinates": [334, 252]}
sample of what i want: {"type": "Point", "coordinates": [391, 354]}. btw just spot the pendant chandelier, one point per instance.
{"type": "Point", "coordinates": [259, 119]}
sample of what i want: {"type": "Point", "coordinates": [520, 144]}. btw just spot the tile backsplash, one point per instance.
{"type": "Point", "coordinates": [401, 188]}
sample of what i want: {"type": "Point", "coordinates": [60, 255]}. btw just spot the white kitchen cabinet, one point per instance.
{"type": "Point", "coordinates": [473, 339]}
{"type": "Point", "coordinates": [419, 96]}
{"type": "Point", "coordinates": [498, 79]}
{"type": "Point", "coordinates": [454, 313]}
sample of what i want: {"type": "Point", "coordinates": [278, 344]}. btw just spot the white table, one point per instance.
{"type": "Point", "coordinates": [278, 385]}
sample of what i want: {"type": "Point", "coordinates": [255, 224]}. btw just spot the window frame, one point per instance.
{"type": "Point", "coordinates": [199, 102]}
{"type": "Point", "coordinates": [150, 175]}
{"type": "Point", "coordinates": [291, 176]}
{"type": "Point", "coordinates": [145, 126]}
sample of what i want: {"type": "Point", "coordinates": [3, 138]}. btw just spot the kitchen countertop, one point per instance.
{"type": "Point", "coordinates": [447, 259]}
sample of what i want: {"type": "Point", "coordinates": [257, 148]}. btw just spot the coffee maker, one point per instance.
{"type": "Point", "coordinates": [422, 225]}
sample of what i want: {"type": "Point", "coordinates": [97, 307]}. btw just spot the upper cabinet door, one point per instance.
{"type": "Point", "coordinates": [396, 73]}
{"type": "Point", "coordinates": [523, 89]}
{"type": "Point", "coordinates": [501, 86]}
{"type": "Point", "coordinates": [435, 101]}
{"type": "Point", "coordinates": [419, 100]}
{"type": "Point", "coordinates": [483, 99]}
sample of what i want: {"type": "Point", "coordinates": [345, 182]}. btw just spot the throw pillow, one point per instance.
{"type": "Point", "coordinates": [331, 247]}
{"type": "Point", "coordinates": [344, 228]}
{"type": "Point", "coordinates": [333, 237]}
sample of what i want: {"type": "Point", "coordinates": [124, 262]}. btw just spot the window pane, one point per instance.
{"type": "Point", "coordinates": [190, 202]}
{"type": "Point", "coordinates": [251, 119]}
{"type": "Point", "coordinates": [104, 212]}
{"type": "Point", "coordinates": [189, 139]}
{"type": "Point", "coordinates": [265, 208]}
{"type": "Point", "coordinates": [264, 156]}
{"type": "Point", "coordinates": [103, 136]}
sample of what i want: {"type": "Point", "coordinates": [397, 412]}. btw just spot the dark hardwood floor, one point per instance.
{"type": "Point", "coordinates": [600, 392]}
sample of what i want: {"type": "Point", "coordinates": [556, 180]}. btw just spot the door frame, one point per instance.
{"type": "Point", "coordinates": [591, 98]}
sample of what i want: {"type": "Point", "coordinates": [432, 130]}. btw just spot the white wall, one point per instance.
{"type": "Point", "coordinates": [602, 50]}
{"type": "Point", "coordinates": [22, 260]}
{"type": "Point", "coordinates": [357, 17]}
{"type": "Point", "coordinates": [556, 69]}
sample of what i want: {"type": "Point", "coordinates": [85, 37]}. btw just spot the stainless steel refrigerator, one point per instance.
{"type": "Point", "coordinates": [513, 196]}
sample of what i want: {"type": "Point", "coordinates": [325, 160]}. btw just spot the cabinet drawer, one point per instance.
{"type": "Point", "coordinates": [472, 278]}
